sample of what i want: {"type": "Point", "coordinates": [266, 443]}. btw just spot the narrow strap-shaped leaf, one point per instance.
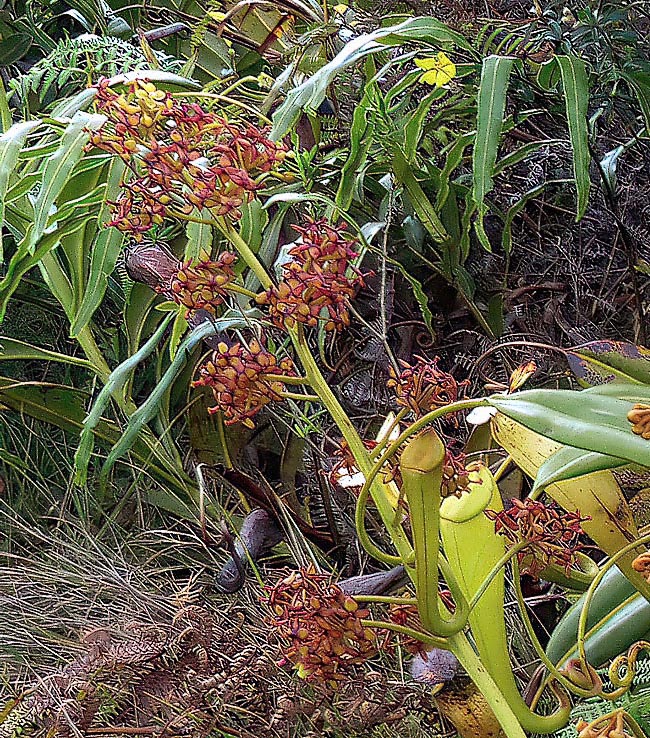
{"type": "Point", "coordinates": [312, 92]}
{"type": "Point", "coordinates": [150, 407]}
{"type": "Point", "coordinates": [491, 105]}
{"type": "Point", "coordinates": [424, 209]}
{"type": "Point", "coordinates": [116, 381]}
{"type": "Point", "coordinates": [12, 349]}
{"type": "Point", "coordinates": [22, 261]}
{"type": "Point", "coordinates": [104, 254]}
{"type": "Point", "coordinates": [11, 142]}
{"type": "Point", "coordinates": [58, 169]}
{"type": "Point", "coordinates": [199, 238]}
{"type": "Point", "coordinates": [576, 100]}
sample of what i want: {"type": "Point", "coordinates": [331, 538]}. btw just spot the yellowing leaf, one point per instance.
{"type": "Point", "coordinates": [439, 69]}
{"type": "Point", "coordinates": [341, 9]}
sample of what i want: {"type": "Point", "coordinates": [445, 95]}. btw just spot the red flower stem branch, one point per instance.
{"type": "Point", "coordinates": [296, 381]}
{"type": "Point", "coordinates": [318, 383]}
{"type": "Point", "coordinates": [426, 638]}
{"type": "Point", "coordinates": [299, 397]}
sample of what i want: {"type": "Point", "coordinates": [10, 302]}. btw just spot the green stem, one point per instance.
{"type": "Point", "coordinates": [377, 489]}
{"type": "Point", "coordinates": [245, 252]}
{"type": "Point", "coordinates": [300, 398]}
{"type": "Point", "coordinates": [463, 651]}
{"type": "Point", "coordinates": [385, 599]}
{"type": "Point", "coordinates": [405, 630]}
{"type": "Point", "coordinates": [584, 613]}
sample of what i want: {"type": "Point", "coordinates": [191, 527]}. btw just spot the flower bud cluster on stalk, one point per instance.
{"type": "Point", "coordinates": [424, 386]}
{"type": "Point", "coordinates": [182, 156]}
{"type": "Point", "coordinates": [243, 380]}
{"type": "Point", "coordinates": [322, 626]}
{"type": "Point", "coordinates": [315, 285]}
{"type": "Point", "coordinates": [553, 535]}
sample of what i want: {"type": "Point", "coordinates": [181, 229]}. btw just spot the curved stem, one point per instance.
{"type": "Point", "coordinates": [418, 425]}
{"type": "Point", "coordinates": [509, 554]}
{"type": "Point", "coordinates": [584, 613]}
{"type": "Point", "coordinates": [411, 632]}
{"type": "Point", "coordinates": [299, 397]}
{"type": "Point", "coordinates": [553, 670]}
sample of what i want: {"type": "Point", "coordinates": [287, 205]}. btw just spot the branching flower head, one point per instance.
{"type": "Point", "coordinates": [424, 387]}
{"type": "Point", "coordinates": [553, 535]}
{"type": "Point", "coordinates": [243, 380]}
{"type": "Point", "coordinates": [204, 285]}
{"type": "Point", "coordinates": [315, 286]}
{"type": "Point", "coordinates": [322, 626]}
{"type": "Point", "coordinates": [182, 156]}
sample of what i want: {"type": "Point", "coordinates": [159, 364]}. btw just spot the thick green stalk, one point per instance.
{"type": "Point", "coordinates": [463, 651]}
{"type": "Point", "coordinates": [355, 444]}
{"type": "Point", "coordinates": [421, 469]}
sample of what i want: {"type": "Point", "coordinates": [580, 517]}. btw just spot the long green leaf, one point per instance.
{"type": "Point", "coordinates": [423, 207]}
{"type": "Point", "coordinates": [312, 92]}
{"type": "Point", "coordinates": [491, 105]}
{"type": "Point", "coordinates": [569, 463]}
{"type": "Point", "coordinates": [593, 419]}
{"type": "Point", "coordinates": [13, 349]}
{"type": "Point", "coordinates": [600, 362]}
{"type": "Point", "coordinates": [21, 262]}
{"type": "Point", "coordinates": [58, 169]}
{"type": "Point", "coordinates": [576, 98]}
{"type": "Point", "coordinates": [104, 254]}
{"type": "Point", "coordinates": [64, 407]}
{"type": "Point", "coordinates": [199, 238]}
{"type": "Point", "coordinates": [11, 142]}
{"type": "Point", "coordinates": [150, 407]}
{"type": "Point", "coordinates": [116, 382]}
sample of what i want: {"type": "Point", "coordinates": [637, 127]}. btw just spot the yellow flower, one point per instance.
{"type": "Point", "coordinates": [439, 69]}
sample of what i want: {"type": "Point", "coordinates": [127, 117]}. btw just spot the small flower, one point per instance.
{"type": "Point", "coordinates": [639, 416]}
{"type": "Point", "coordinates": [439, 69]}
{"type": "Point", "coordinates": [455, 474]}
{"type": "Point", "coordinates": [642, 565]}
{"type": "Point", "coordinates": [321, 625]}
{"type": "Point", "coordinates": [424, 387]}
{"type": "Point", "coordinates": [204, 285]}
{"type": "Point", "coordinates": [243, 380]}
{"type": "Point", "coordinates": [553, 535]}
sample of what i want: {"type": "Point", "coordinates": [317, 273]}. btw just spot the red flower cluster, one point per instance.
{"type": "Point", "coordinates": [455, 474]}
{"type": "Point", "coordinates": [424, 387]}
{"type": "Point", "coordinates": [322, 625]}
{"type": "Point", "coordinates": [181, 155]}
{"type": "Point", "coordinates": [204, 284]}
{"type": "Point", "coordinates": [243, 380]}
{"type": "Point", "coordinates": [553, 535]}
{"type": "Point", "coordinates": [315, 286]}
